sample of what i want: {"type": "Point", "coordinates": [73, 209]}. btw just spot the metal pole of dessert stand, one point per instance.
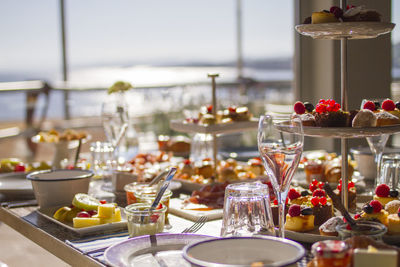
{"type": "Point", "coordinates": [214, 111]}
{"type": "Point", "coordinates": [344, 141]}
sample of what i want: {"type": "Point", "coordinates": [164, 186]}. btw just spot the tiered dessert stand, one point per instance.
{"type": "Point", "coordinates": [344, 31]}
{"type": "Point", "coordinates": [214, 129]}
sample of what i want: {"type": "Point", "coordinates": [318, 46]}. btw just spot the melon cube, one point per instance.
{"type": "Point", "coordinates": [106, 211]}
{"type": "Point", "coordinates": [80, 222]}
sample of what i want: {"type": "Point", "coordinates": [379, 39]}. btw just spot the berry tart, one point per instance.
{"type": "Point", "coordinates": [299, 219]}
{"type": "Point", "coordinates": [321, 206]}
{"type": "Point", "coordinates": [373, 211]}
{"type": "Point", "coordinates": [351, 195]}
{"type": "Point", "coordinates": [383, 194]}
{"type": "Point", "coordinates": [329, 114]}
{"type": "Point", "coordinates": [394, 223]}
{"type": "Point", "coordinates": [393, 108]}
{"type": "Point", "coordinates": [304, 112]}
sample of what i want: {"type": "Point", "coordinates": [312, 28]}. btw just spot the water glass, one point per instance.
{"type": "Point", "coordinates": [247, 210]}
{"type": "Point", "coordinates": [390, 171]}
{"type": "Point", "coordinates": [102, 159]}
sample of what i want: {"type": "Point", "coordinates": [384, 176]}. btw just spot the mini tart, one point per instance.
{"type": "Point", "coordinates": [307, 119]}
{"type": "Point", "coordinates": [301, 223]}
{"type": "Point", "coordinates": [323, 17]}
{"type": "Point", "coordinates": [393, 224]}
{"type": "Point", "coordinates": [332, 119]}
{"type": "Point", "coordinates": [393, 206]}
{"type": "Point", "coordinates": [385, 200]}
{"type": "Point", "coordinates": [381, 216]}
{"type": "Point", "coordinates": [328, 228]}
{"type": "Point", "coordinates": [384, 118]}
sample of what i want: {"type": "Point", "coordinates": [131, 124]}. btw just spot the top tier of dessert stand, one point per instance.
{"type": "Point", "coordinates": [344, 31]}
{"type": "Point", "coordinates": [214, 129]}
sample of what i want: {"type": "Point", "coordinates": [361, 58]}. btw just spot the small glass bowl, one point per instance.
{"type": "Point", "coordinates": [374, 230]}
{"type": "Point", "coordinates": [141, 221]}
{"type": "Point", "coordinates": [331, 253]}
{"type": "Point", "coordinates": [135, 188]}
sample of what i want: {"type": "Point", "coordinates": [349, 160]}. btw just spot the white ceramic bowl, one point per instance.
{"type": "Point", "coordinates": [58, 187]}
{"type": "Point", "coordinates": [244, 251]}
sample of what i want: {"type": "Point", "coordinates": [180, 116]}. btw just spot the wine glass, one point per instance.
{"type": "Point", "coordinates": [280, 146]}
{"type": "Point", "coordinates": [377, 145]}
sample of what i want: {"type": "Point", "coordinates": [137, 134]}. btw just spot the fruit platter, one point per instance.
{"type": "Point", "coordinates": [87, 215]}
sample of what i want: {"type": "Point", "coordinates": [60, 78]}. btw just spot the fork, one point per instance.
{"type": "Point", "coordinates": [196, 226]}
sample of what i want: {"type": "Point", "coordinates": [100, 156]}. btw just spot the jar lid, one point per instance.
{"type": "Point", "coordinates": [330, 249]}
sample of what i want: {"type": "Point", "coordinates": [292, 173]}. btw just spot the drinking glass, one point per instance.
{"type": "Point", "coordinates": [247, 210]}
{"type": "Point", "coordinates": [377, 145]}
{"type": "Point", "coordinates": [390, 171]}
{"type": "Point", "coordinates": [280, 146]}
{"type": "Point", "coordinates": [115, 120]}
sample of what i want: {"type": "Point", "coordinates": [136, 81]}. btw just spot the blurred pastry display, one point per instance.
{"type": "Point", "coordinates": [54, 136]}
{"type": "Point", "coordinates": [229, 115]}
{"type": "Point", "coordinates": [178, 145]}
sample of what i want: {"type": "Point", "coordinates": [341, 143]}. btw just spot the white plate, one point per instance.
{"type": "Point", "coordinates": [15, 184]}
{"type": "Point", "coordinates": [346, 132]}
{"type": "Point", "coordinates": [175, 207]}
{"type": "Point", "coordinates": [353, 30]}
{"type": "Point", "coordinates": [244, 251]}
{"type": "Point", "coordinates": [218, 128]}
{"type": "Point", "coordinates": [150, 250]}
{"type": "Point", "coordinates": [103, 228]}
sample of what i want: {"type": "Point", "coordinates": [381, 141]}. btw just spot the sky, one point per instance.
{"type": "Point", "coordinates": [143, 32]}
{"type": "Point", "coordinates": [103, 31]}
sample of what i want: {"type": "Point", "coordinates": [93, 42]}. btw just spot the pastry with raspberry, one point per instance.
{"type": "Point", "coordinates": [298, 197]}
{"type": "Point", "coordinates": [322, 207]}
{"type": "Point", "coordinates": [303, 111]}
{"type": "Point", "coordinates": [352, 193]}
{"type": "Point", "coordinates": [328, 113]}
{"type": "Point", "coordinates": [373, 211]}
{"type": "Point", "coordinates": [384, 194]}
{"type": "Point", "coordinates": [299, 219]}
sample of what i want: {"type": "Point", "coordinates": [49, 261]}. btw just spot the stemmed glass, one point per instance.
{"type": "Point", "coordinates": [115, 120]}
{"type": "Point", "coordinates": [377, 145]}
{"type": "Point", "coordinates": [280, 146]}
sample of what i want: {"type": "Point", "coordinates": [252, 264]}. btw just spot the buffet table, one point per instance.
{"type": "Point", "coordinates": [53, 237]}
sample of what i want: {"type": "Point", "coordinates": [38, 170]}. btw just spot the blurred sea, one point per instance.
{"type": "Point", "coordinates": [142, 100]}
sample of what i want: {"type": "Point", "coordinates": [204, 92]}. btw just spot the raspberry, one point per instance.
{"type": "Point", "coordinates": [275, 201]}
{"type": "Point", "coordinates": [319, 193]}
{"type": "Point", "coordinates": [299, 108]}
{"type": "Point", "coordinates": [315, 201]}
{"type": "Point", "coordinates": [294, 210]}
{"type": "Point", "coordinates": [388, 105]}
{"type": "Point", "coordinates": [313, 187]}
{"type": "Point", "coordinates": [382, 190]}
{"type": "Point", "coordinates": [321, 185]}
{"type": "Point", "coordinates": [357, 216]}
{"type": "Point", "coordinates": [376, 205]}
{"type": "Point", "coordinates": [315, 182]}
{"type": "Point", "coordinates": [293, 194]}
{"type": "Point", "coordinates": [323, 201]}
{"type": "Point", "coordinates": [369, 105]}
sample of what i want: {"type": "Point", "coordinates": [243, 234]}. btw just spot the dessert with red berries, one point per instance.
{"type": "Point", "coordinates": [304, 112]}
{"type": "Point", "coordinates": [394, 223]}
{"type": "Point", "coordinates": [299, 219]}
{"type": "Point", "coordinates": [384, 194]}
{"type": "Point", "coordinates": [329, 114]}
{"type": "Point", "coordinates": [298, 197]}
{"type": "Point", "coordinates": [373, 211]}
{"type": "Point", "coordinates": [321, 206]}
{"type": "Point", "coordinates": [389, 106]}
{"type": "Point", "coordinates": [352, 193]}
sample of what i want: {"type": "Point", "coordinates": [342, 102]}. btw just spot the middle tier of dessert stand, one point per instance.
{"type": "Point", "coordinates": [344, 31]}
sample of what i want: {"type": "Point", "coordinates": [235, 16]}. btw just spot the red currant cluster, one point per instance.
{"type": "Point", "coordinates": [319, 197]}
{"type": "Point", "coordinates": [315, 185]}
{"type": "Point", "coordinates": [329, 105]}
{"type": "Point", "coordinates": [350, 185]}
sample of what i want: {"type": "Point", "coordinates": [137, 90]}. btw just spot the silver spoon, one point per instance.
{"type": "Point", "coordinates": [157, 178]}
